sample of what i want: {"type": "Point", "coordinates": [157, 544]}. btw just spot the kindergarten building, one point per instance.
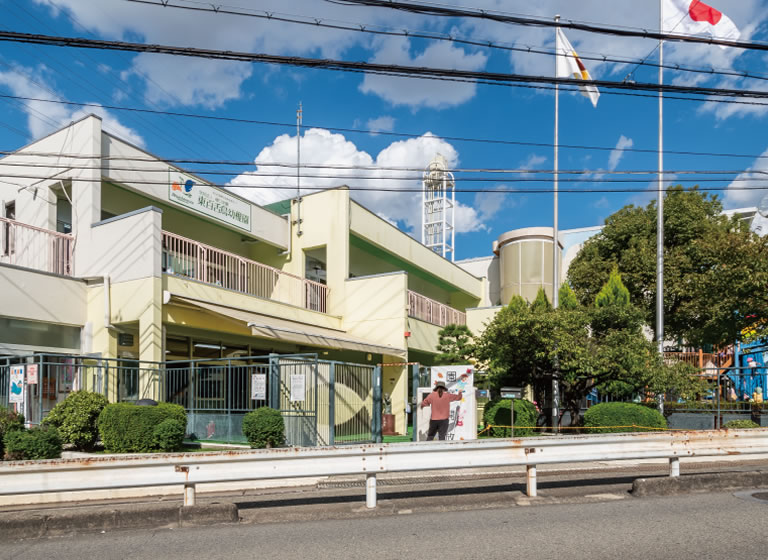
{"type": "Point", "coordinates": [110, 252]}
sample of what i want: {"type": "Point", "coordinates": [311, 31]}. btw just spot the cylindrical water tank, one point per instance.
{"type": "Point", "coordinates": [525, 262]}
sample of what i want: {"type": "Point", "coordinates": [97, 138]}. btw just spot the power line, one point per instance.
{"type": "Point", "coordinates": [369, 29]}
{"type": "Point", "coordinates": [392, 70]}
{"type": "Point", "coordinates": [501, 17]}
{"type": "Point", "coordinates": [374, 168]}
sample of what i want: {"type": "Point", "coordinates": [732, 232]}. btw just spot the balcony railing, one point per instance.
{"type": "Point", "coordinates": [36, 248]}
{"type": "Point", "coordinates": [192, 259]}
{"type": "Point", "coordinates": [434, 312]}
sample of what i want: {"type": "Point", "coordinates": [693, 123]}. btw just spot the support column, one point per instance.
{"type": "Point", "coordinates": [151, 341]}
{"type": "Point", "coordinates": [370, 491]}
{"type": "Point", "coordinates": [674, 467]}
{"type": "Point", "coordinates": [530, 472]}
{"type": "Point", "coordinates": [189, 494]}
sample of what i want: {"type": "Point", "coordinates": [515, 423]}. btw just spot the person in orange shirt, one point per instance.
{"type": "Point", "coordinates": [440, 401]}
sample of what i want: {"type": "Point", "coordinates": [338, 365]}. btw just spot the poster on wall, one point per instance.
{"type": "Point", "coordinates": [259, 387]}
{"type": "Point", "coordinates": [16, 394]}
{"type": "Point", "coordinates": [298, 388]}
{"type": "Point", "coordinates": [462, 423]}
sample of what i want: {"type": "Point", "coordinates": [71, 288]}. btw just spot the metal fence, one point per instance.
{"type": "Point", "coordinates": [322, 402]}
{"type": "Point", "coordinates": [204, 263]}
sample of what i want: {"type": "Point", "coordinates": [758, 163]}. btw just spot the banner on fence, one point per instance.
{"type": "Point", "coordinates": [259, 386]}
{"type": "Point", "coordinates": [298, 387]}
{"type": "Point", "coordinates": [16, 394]}
{"type": "Point", "coordinates": [32, 370]}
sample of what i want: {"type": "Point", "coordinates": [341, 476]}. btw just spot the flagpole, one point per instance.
{"type": "Point", "coordinates": [660, 208]}
{"type": "Point", "coordinates": [555, 263]}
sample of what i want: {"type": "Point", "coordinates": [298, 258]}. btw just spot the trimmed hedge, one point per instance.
{"type": "Point", "coordinates": [608, 418]}
{"type": "Point", "coordinates": [496, 413]}
{"type": "Point", "coordinates": [75, 418]}
{"type": "Point", "coordinates": [740, 425]}
{"type": "Point", "coordinates": [169, 435]}
{"type": "Point", "coordinates": [42, 442]}
{"type": "Point", "coordinates": [128, 428]}
{"type": "Point", "coordinates": [264, 427]}
{"type": "Point", "coordinates": [9, 421]}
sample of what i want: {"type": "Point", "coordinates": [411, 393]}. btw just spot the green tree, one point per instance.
{"type": "Point", "coordinates": [614, 292]}
{"type": "Point", "coordinates": [715, 269]}
{"type": "Point", "coordinates": [567, 297]}
{"type": "Point", "coordinates": [455, 345]}
{"type": "Point", "coordinates": [541, 303]}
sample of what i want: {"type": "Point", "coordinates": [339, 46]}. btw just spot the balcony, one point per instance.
{"type": "Point", "coordinates": [36, 248]}
{"type": "Point", "coordinates": [191, 259]}
{"type": "Point", "coordinates": [433, 312]}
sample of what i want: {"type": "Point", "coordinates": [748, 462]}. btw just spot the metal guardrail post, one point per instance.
{"type": "Point", "coordinates": [332, 403]}
{"type": "Point", "coordinates": [530, 481]}
{"type": "Point", "coordinates": [376, 416]}
{"type": "Point", "coordinates": [370, 490]}
{"type": "Point", "coordinates": [674, 467]}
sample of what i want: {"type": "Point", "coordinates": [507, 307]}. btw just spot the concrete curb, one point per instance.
{"type": "Point", "coordinates": [668, 486]}
{"type": "Point", "coordinates": [21, 525]}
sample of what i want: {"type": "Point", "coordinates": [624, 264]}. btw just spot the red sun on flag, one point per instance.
{"type": "Point", "coordinates": [701, 12]}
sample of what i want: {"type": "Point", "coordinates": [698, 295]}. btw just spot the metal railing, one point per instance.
{"type": "Point", "coordinates": [188, 470]}
{"type": "Point", "coordinates": [699, 359]}
{"type": "Point", "coordinates": [204, 263]}
{"type": "Point", "coordinates": [434, 312]}
{"type": "Point", "coordinates": [36, 248]}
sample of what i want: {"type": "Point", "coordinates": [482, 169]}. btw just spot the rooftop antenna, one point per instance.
{"type": "Point", "coordinates": [299, 112]}
{"type": "Point", "coordinates": [438, 211]}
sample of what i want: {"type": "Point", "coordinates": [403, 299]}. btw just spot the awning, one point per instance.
{"type": "Point", "coordinates": [273, 328]}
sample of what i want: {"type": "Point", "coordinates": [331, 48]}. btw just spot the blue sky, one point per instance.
{"type": "Point", "coordinates": [431, 110]}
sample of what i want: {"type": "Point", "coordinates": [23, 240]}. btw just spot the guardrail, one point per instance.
{"type": "Point", "coordinates": [431, 311]}
{"type": "Point", "coordinates": [188, 470]}
{"type": "Point", "coordinates": [36, 248]}
{"type": "Point", "coordinates": [210, 265]}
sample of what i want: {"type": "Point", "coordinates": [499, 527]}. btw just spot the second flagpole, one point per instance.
{"type": "Point", "coordinates": [555, 244]}
{"type": "Point", "coordinates": [660, 209]}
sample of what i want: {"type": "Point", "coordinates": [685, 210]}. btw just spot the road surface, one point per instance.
{"type": "Point", "coordinates": [700, 526]}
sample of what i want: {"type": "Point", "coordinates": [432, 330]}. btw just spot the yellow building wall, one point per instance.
{"type": "Point", "coordinates": [478, 318]}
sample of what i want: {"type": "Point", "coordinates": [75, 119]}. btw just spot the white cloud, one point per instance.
{"type": "Point", "coordinates": [618, 152]}
{"type": "Point", "coordinates": [320, 146]}
{"type": "Point", "coordinates": [748, 188]}
{"type": "Point", "coordinates": [381, 124]}
{"type": "Point", "coordinates": [43, 117]}
{"type": "Point", "coordinates": [422, 93]}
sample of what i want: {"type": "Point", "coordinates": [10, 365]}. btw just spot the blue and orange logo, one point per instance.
{"type": "Point", "coordinates": [175, 186]}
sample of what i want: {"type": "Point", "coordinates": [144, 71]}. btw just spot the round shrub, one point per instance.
{"type": "Point", "coordinates": [740, 425]}
{"type": "Point", "coordinates": [75, 418]}
{"type": "Point", "coordinates": [496, 413]}
{"type": "Point", "coordinates": [622, 417]}
{"type": "Point", "coordinates": [175, 411]}
{"type": "Point", "coordinates": [264, 427]}
{"type": "Point", "coordinates": [9, 421]}
{"type": "Point", "coordinates": [169, 435]}
{"type": "Point", "coordinates": [42, 442]}
{"type": "Point", "coordinates": [128, 428]}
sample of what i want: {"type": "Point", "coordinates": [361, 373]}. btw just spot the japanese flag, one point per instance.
{"type": "Point", "coordinates": [569, 65]}
{"type": "Point", "coordinates": [693, 17]}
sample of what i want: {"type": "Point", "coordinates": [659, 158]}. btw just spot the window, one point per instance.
{"type": "Point", "coordinates": [63, 215]}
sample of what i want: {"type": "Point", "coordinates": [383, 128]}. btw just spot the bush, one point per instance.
{"type": "Point", "coordinates": [740, 425]}
{"type": "Point", "coordinates": [264, 427]}
{"type": "Point", "coordinates": [9, 421]}
{"type": "Point", "coordinates": [614, 417]}
{"type": "Point", "coordinates": [175, 411]}
{"type": "Point", "coordinates": [75, 418]}
{"type": "Point", "coordinates": [128, 428]}
{"type": "Point", "coordinates": [169, 435]}
{"type": "Point", "coordinates": [42, 442]}
{"type": "Point", "coordinates": [496, 413]}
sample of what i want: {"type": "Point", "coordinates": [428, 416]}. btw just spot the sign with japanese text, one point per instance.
{"type": "Point", "coordinates": [259, 386]}
{"type": "Point", "coordinates": [211, 201]}
{"type": "Point", "coordinates": [32, 370]}
{"type": "Point", "coordinates": [462, 423]}
{"type": "Point", "coordinates": [298, 387]}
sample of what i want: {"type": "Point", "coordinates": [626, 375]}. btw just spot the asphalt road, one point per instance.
{"type": "Point", "coordinates": [699, 526]}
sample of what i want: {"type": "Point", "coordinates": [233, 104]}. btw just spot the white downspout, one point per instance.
{"type": "Point", "coordinates": [107, 304]}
